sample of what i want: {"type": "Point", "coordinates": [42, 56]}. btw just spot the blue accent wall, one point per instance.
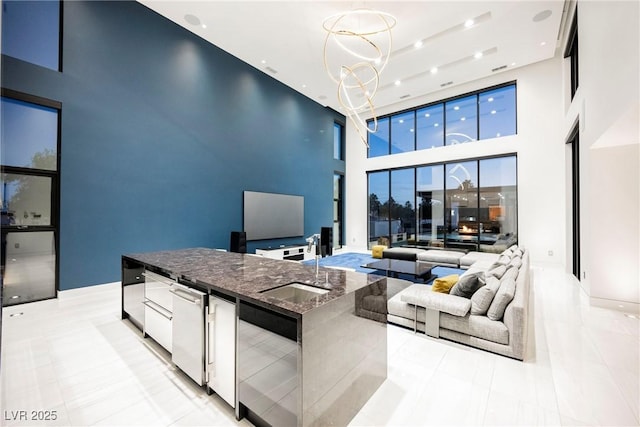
{"type": "Point", "coordinates": [161, 133]}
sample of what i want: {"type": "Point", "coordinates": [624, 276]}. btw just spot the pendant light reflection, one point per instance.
{"type": "Point", "coordinates": [356, 50]}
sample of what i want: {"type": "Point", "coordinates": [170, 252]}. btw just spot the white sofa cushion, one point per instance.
{"type": "Point", "coordinates": [503, 297]}
{"type": "Point", "coordinates": [476, 326]}
{"type": "Point", "coordinates": [481, 299]}
{"type": "Point", "coordinates": [425, 297]}
{"type": "Point", "coordinates": [436, 256]}
{"type": "Point", "coordinates": [472, 257]}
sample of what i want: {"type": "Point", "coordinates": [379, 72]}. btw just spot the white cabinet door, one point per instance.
{"type": "Point", "coordinates": [221, 349]}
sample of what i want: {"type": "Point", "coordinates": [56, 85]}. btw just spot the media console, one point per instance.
{"type": "Point", "coordinates": [296, 252]}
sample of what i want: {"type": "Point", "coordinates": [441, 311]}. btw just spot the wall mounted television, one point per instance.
{"type": "Point", "coordinates": [272, 215]}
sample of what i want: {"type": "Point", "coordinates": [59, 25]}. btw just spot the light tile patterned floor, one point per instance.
{"type": "Point", "coordinates": [76, 357]}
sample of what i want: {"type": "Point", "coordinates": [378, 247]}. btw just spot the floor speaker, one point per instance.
{"type": "Point", "coordinates": [326, 239]}
{"type": "Point", "coordinates": [238, 242]}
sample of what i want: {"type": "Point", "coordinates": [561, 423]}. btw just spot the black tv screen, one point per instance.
{"type": "Point", "coordinates": [272, 215]}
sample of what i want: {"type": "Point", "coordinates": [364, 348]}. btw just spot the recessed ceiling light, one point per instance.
{"type": "Point", "coordinates": [541, 16]}
{"type": "Point", "coordinates": [427, 115]}
{"type": "Point", "coordinates": [192, 19]}
{"type": "Point", "coordinates": [478, 55]}
{"type": "Point", "coordinates": [434, 70]}
{"type": "Point", "coordinates": [418, 44]}
{"type": "Point", "coordinates": [456, 108]}
{"type": "Point", "coordinates": [304, 86]}
{"type": "Point", "coordinates": [543, 43]}
{"type": "Point", "coordinates": [468, 23]}
{"type": "Point", "coordinates": [411, 130]}
{"type": "Point", "coordinates": [401, 121]}
{"type": "Point", "coordinates": [15, 296]}
{"type": "Point", "coordinates": [462, 119]}
{"type": "Point", "coordinates": [204, 25]}
{"type": "Point", "coordinates": [435, 125]}
{"type": "Point", "coordinates": [397, 82]}
{"type": "Point", "coordinates": [513, 64]}
{"type": "Point", "coordinates": [493, 111]}
{"type": "Point", "coordinates": [490, 99]}
{"type": "Point", "coordinates": [498, 134]}
{"type": "Point", "coordinates": [264, 61]}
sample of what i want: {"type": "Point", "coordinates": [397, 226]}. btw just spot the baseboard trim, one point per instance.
{"type": "Point", "coordinates": [622, 306]}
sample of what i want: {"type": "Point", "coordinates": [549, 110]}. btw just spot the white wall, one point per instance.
{"type": "Point", "coordinates": [607, 105]}
{"type": "Point", "coordinates": [539, 145]}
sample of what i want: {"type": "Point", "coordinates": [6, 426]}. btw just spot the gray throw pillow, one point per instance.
{"type": "Point", "coordinates": [503, 297]}
{"type": "Point", "coordinates": [482, 298]}
{"type": "Point", "coordinates": [467, 285]}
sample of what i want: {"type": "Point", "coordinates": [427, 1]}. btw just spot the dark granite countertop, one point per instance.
{"type": "Point", "coordinates": [246, 275]}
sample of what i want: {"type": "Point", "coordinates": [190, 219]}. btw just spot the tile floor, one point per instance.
{"type": "Point", "coordinates": [74, 356]}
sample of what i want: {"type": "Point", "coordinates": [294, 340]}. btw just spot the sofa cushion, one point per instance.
{"type": "Point", "coordinates": [481, 299]}
{"type": "Point", "coordinates": [445, 303]}
{"type": "Point", "coordinates": [408, 254]}
{"type": "Point", "coordinates": [516, 262]}
{"type": "Point", "coordinates": [504, 259]}
{"type": "Point", "coordinates": [445, 283]}
{"type": "Point", "coordinates": [503, 297]}
{"type": "Point", "coordinates": [477, 326]}
{"type": "Point", "coordinates": [436, 256]}
{"type": "Point", "coordinates": [467, 285]}
{"type": "Point", "coordinates": [472, 257]}
{"type": "Point", "coordinates": [397, 307]}
{"type": "Point", "coordinates": [497, 270]}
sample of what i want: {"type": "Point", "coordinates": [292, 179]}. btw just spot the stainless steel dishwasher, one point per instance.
{"type": "Point", "coordinates": [188, 323]}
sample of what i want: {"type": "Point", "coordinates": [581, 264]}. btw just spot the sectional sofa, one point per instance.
{"type": "Point", "coordinates": [494, 317]}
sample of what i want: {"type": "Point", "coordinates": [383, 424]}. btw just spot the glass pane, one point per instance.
{"type": "Point", "coordinates": [379, 140]}
{"type": "Point", "coordinates": [402, 132]}
{"type": "Point", "coordinates": [430, 202]}
{"type": "Point", "coordinates": [26, 199]}
{"type": "Point", "coordinates": [337, 141]}
{"type": "Point", "coordinates": [498, 214]}
{"type": "Point", "coordinates": [28, 265]}
{"type": "Point", "coordinates": [403, 213]}
{"type": "Point", "coordinates": [31, 30]}
{"type": "Point", "coordinates": [462, 205]}
{"type": "Point", "coordinates": [430, 127]}
{"type": "Point", "coordinates": [29, 135]}
{"type": "Point", "coordinates": [462, 120]}
{"type": "Point", "coordinates": [498, 112]}
{"type": "Point", "coordinates": [379, 209]}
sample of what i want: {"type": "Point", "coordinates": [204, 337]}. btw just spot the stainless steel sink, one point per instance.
{"type": "Point", "coordinates": [295, 292]}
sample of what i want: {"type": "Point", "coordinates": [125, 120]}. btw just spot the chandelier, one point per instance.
{"type": "Point", "coordinates": [356, 50]}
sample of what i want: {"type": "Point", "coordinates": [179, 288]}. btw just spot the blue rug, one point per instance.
{"type": "Point", "coordinates": [356, 260]}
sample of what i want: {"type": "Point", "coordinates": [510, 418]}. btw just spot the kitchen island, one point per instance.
{"type": "Point", "coordinates": [305, 354]}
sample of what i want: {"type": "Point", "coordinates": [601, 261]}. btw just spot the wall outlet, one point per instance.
{"type": "Point", "coordinates": [584, 274]}
{"type": "Point", "coordinates": [550, 253]}
{"type": "Point", "coordinates": [16, 245]}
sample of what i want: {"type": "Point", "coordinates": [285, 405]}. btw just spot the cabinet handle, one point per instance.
{"type": "Point", "coordinates": [189, 300]}
{"type": "Point", "coordinates": [151, 304]}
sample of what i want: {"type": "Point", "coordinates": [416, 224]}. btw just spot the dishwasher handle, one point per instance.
{"type": "Point", "coordinates": [188, 295]}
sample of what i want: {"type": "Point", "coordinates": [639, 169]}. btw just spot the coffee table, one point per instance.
{"type": "Point", "coordinates": [393, 267]}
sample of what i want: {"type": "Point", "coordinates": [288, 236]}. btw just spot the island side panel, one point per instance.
{"type": "Point", "coordinates": [344, 356]}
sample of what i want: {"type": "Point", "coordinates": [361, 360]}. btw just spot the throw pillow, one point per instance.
{"type": "Point", "coordinates": [516, 262]}
{"type": "Point", "coordinates": [482, 298]}
{"type": "Point", "coordinates": [504, 260]}
{"type": "Point", "coordinates": [518, 252]}
{"type": "Point", "coordinates": [497, 270]}
{"type": "Point", "coordinates": [445, 283]}
{"type": "Point", "coordinates": [467, 285]}
{"type": "Point", "coordinates": [507, 252]}
{"type": "Point", "coordinates": [503, 297]}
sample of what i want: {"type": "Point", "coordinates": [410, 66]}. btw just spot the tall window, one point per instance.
{"type": "Point", "coordinates": [31, 31]}
{"type": "Point", "coordinates": [379, 227]}
{"type": "Point", "coordinates": [571, 52]}
{"type": "Point", "coordinates": [490, 113]}
{"type": "Point", "coordinates": [338, 206]}
{"type": "Point", "coordinates": [29, 198]}
{"type": "Point", "coordinates": [430, 204]}
{"type": "Point", "coordinates": [468, 205]}
{"type": "Point", "coordinates": [338, 141]}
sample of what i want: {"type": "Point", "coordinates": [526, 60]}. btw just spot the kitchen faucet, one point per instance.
{"type": "Point", "coordinates": [311, 240]}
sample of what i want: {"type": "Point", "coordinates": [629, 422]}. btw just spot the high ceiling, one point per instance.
{"type": "Point", "coordinates": [285, 39]}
